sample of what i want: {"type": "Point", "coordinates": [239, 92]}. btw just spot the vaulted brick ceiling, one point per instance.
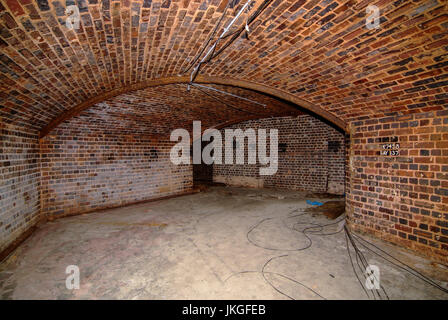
{"type": "Point", "coordinates": [320, 51]}
{"type": "Point", "coordinates": [158, 110]}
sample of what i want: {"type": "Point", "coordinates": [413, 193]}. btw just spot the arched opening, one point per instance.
{"type": "Point", "coordinates": [282, 95]}
{"type": "Point", "coordinates": [311, 156]}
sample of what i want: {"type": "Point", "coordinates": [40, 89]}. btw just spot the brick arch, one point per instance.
{"type": "Point", "coordinates": [66, 115]}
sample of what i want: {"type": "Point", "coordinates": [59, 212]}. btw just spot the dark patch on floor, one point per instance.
{"type": "Point", "coordinates": [323, 195]}
{"type": "Point", "coordinates": [331, 209]}
{"type": "Point", "coordinates": [205, 185]}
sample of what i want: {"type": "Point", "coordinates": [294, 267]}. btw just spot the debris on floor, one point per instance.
{"type": "Point", "coordinates": [202, 186]}
{"type": "Point", "coordinates": [314, 203]}
{"type": "Point", "coordinates": [323, 195]}
{"type": "Point", "coordinates": [212, 246]}
{"type": "Point", "coordinates": [331, 209]}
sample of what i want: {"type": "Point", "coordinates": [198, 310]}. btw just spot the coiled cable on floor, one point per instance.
{"type": "Point", "coordinates": [311, 229]}
{"type": "Point", "coordinates": [351, 239]}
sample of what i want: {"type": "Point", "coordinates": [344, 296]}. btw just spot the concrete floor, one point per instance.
{"type": "Point", "coordinates": [198, 247]}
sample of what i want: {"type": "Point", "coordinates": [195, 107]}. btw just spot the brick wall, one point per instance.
{"type": "Point", "coordinates": [88, 169]}
{"type": "Point", "coordinates": [401, 198]}
{"type": "Point", "coordinates": [313, 159]}
{"type": "Point", "coordinates": [19, 182]}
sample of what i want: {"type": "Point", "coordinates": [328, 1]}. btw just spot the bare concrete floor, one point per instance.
{"type": "Point", "coordinates": [198, 247]}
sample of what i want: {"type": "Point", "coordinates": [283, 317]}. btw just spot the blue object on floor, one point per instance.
{"type": "Point", "coordinates": [314, 203]}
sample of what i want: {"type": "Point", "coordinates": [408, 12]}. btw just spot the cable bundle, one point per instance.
{"type": "Point", "coordinates": [351, 239]}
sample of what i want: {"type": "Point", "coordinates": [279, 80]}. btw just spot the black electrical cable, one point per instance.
{"type": "Point", "coordinates": [208, 42]}
{"type": "Point", "coordinates": [278, 290]}
{"type": "Point", "coordinates": [360, 258]}
{"type": "Point", "coordinates": [349, 237]}
{"type": "Point", "coordinates": [361, 261]}
{"type": "Point", "coordinates": [417, 274]}
{"type": "Point", "coordinates": [263, 272]}
{"type": "Point", "coordinates": [255, 15]}
{"type": "Point", "coordinates": [361, 268]}
{"type": "Point", "coordinates": [280, 275]}
{"type": "Point", "coordinates": [274, 249]}
{"type": "Point", "coordinates": [215, 45]}
{"type": "Point", "coordinates": [353, 265]}
{"type": "Point", "coordinates": [235, 36]}
{"type": "Point", "coordinates": [315, 225]}
{"type": "Point", "coordinates": [209, 39]}
{"type": "Point", "coordinates": [227, 104]}
{"type": "Point", "coordinates": [365, 264]}
{"type": "Point", "coordinates": [304, 231]}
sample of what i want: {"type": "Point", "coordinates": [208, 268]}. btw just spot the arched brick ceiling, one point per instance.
{"type": "Point", "coordinates": [317, 50]}
{"type": "Point", "coordinates": [158, 110]}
